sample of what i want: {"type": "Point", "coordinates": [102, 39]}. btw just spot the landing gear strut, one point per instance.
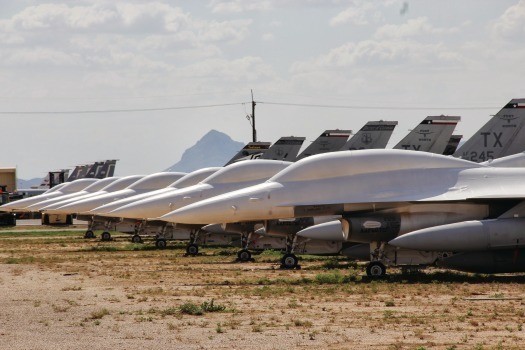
{"type": "Point", "coordinates": [244, 254]}
{"type": "Point", "coordinates": [289, 260]}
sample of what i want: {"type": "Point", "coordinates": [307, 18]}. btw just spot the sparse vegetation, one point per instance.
{"type": "Point", "coordinates": [139, 286]}
{"type": "Point", "coordinates": [98, 314]}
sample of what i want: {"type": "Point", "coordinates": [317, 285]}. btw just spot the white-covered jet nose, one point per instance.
{"type": "Point", "coordinates": [23, 203]}
{"type": "Point", "coordinates": [250, 204]}
{"type": "Point", "coordinates": [73, 208]}
{"type": "Point", "coordinates": [202, 212]}
{"type": "Point", "coordinates": [143, 209]}
{"type": "Point", "coordinates": [106, 209]}
{"type": "Point", "coordinates": [55, 206]}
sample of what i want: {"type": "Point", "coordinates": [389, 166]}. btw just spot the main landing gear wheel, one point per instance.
{"type": "Point", "coordinates": [106, 236]}
{"type": "Point", "coordinates": [89, 234]}
{"type": "Point", "coordinates": [375, 269]}
{"type": "Point", "coordinates": [136, 239]}
{"type": "Point", "coordinates": [161, 244]}
{"type": "Point", "coordinates": [192, 249]}
{"type": "Point", "coordinates": [289, 261]}
{"type": "Point", "coordinates": [244, 255]}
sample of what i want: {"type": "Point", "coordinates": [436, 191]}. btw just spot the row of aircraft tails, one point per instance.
{"type": "Point", "coordinates": [424, 202]}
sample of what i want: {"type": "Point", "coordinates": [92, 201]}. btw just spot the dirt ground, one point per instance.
{"type": "Point", "coordinates": [60, 291]}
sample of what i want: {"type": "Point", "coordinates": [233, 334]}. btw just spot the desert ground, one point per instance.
{"type": "Point", "coordinates": [61, 291]}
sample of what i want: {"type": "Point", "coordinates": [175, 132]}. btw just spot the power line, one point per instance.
{"type": "Point", "coordinates": [125, 110]}
{"type": "Point", "coordinates": [131, 110]}
{"type": "Point", "coordinates": [371, 107]}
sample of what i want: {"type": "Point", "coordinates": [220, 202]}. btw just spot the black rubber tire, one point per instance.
{"type": "Point", "coordinates": [161, 244]}
{"type": "Point", "coordinates": [106, 236]}
{"type": "Point", "coordinates": [89, 234]}
{"type": "Point", "coordinates": [136, 239]}
{"type": "Point", "coordinates": [244, 255]}
{"type": "Point", "coordinates": [289, 261]}
{"type": "Point", "coordinates": [192, 249]}
{"type": "Point", "coordinates": [375, 269]}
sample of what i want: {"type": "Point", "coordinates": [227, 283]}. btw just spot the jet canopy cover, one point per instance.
{"type": "Point", "coordinates": [248, 170]}
{"type": "Point", "coordinates": [156, 181]}
{"type": "Point", "coordinates": [349, 163]}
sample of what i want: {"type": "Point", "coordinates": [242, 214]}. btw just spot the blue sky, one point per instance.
{"type": "Point", "coordinates": [422, 57]}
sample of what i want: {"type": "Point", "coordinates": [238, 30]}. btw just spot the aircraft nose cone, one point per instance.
{"type": "Point", "coordinates": [104, 209]}
{"type": "Point", "coordinates": [142, 210]}
{"type": "Point", "coordinates": [196, 214]}
{"type": "Point", "coordinates": [127, 211]}
{"type": "Point", "coordinates": [73, 208]}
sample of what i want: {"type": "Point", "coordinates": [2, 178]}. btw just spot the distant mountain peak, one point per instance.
{"type": "Point", "coordinates": [213, 149]}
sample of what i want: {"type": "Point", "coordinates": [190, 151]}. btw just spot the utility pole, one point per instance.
{"type": "Point", "coordinates": [254, 132]}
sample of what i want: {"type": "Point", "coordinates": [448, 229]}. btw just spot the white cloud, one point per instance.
{"type": "Point", "coordinates": [139, 19]}
{"type": "Point", "coordinates": [237, 6]}
{"type": "Point", "coordinates": [511, 24]}
{"type": "Point", "coordinates": [239, 70]}
{"type": "Point", "coordinates": [43, 56]}
{"type": "Point", "coordinates": [137, 36]}
{"type": "Point", "coordinates": [268, 37]}
{"type": "Point", "coordinates": [359, 13]}
{"type": "Point", "coordinates": [58, 16]}
{"type": "Point", "coordinates": [372, 52]}
{"type": "Point", "coordinates": [420, 26]}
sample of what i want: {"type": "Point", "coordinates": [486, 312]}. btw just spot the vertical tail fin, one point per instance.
{"type": "Point", "coordinates": [83, 171]}
{"type": "Point", "coordinates": [328, 141]}
{"type": "Point", "coordinates": [286, 148]}
{"type": "Point", "coordinates": [75, 173]}
{"type": "Point", "coordinates": [452, 145]}
{"type": "Point", "coordinates": [502, 135]}
{"type": "Point", "coordinates": [57, 177]}
{"type": "Point", "coordinates": [371, 136]}
{"type": "Point", "coordinates": [107, 170]}
{"type": "Point", "coordinates": [252, 150]}
{"type": "Point", "coordinates": [94, 169]}
{"type": "Point", "coordinates": [431, 135]}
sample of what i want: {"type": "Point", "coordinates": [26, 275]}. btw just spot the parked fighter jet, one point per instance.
{"type": "Point", "coordinates": [91, 189]}
{"type": "Point", "coordinates": [110, 186]}
{"type": "Point", "coordinates": [307, 240]}
{"type": "Point", "coordinates": [57, 191]}
{"type": "Point", "coordinates": [142, 185]}
{"type": "Point", "coordinates": [227, 179]}
{"type": "Point", "coordinates": [284, 148]}
{"type": "Point", "coordinates": [138, 226]}
{"type": "Point", "coordinates": [498, 128]}
{"type": "Point", "coordinates": [379, 193]}
{"type": "Point", "coordinates": [431, 135]}
{"type": "Point", "coordinates": [232, 177]}
{"type": "Point", "coordinates": [499, 137]}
